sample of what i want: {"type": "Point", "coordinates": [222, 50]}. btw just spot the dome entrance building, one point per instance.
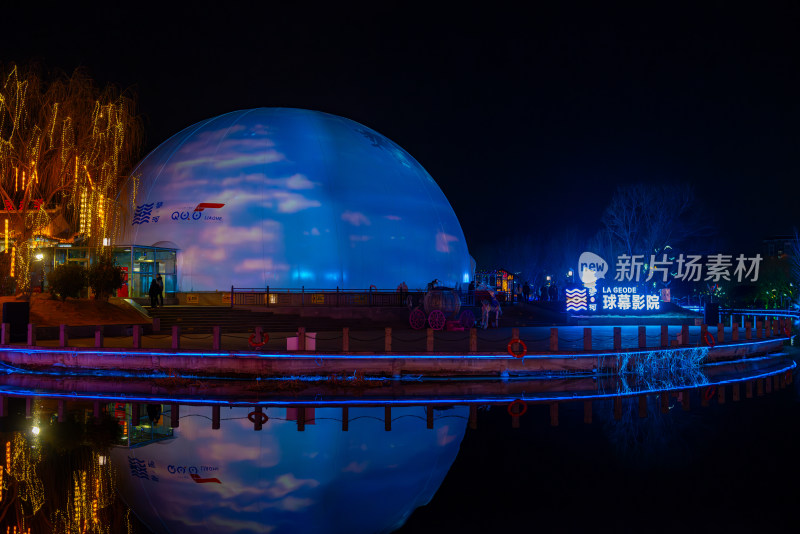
{"type": "Point", "coordinates": [290, 198]}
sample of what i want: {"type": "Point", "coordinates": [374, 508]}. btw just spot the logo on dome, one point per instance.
{"type": "Point", "coordinates": [204, 205]}
{"type": "Point", "coordinates": [197, 213]}
{"type": "Point", "coordinates": [142, 213]}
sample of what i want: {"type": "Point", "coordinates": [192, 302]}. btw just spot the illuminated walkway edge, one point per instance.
{"type": "Point", "coordinates": [221, 364]}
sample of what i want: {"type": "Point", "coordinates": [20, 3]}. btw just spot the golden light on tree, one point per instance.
{"type": "Point", "coordinates": [65, 148]}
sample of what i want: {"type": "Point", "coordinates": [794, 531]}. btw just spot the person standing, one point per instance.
{"type": "Point", "coordinates": [153, 292]}
{"type": "Point", "coordinates": [526, 291]}
{"type": "Point", "coordinates": [160, 282]}
{"type": "Point", "coordinates": [553, 292]}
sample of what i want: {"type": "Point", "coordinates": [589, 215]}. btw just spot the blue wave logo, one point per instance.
{"type": "Point", "coordinates": [142, 214]}
{"type": "Point", "coordinates": [138, 468]}
{"type": "Point", "coordinates": [577, 300]}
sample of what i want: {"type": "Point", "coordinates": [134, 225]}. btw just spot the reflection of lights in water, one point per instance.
{"type": "Point", "coordinates": [238, 480]}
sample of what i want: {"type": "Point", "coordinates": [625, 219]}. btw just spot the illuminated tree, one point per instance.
{"type": "Point", "coordinates": [65, 148]}
{"type": "Point", "coordinates": [645, 218]}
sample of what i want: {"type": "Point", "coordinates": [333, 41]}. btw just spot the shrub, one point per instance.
{"type": "Point", "coordinates": [67, 280]}
{"type": "Point", "coordinates": [104, 278]}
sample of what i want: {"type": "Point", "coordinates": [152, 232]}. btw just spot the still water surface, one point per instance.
{"type": "Point", "coordinates": [724, 467]}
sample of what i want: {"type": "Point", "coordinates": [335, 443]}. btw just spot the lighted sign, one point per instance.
{"type": "Point", "coordinates": [614, 299]}
{"type": "Point", "coordinates": [577, 300]}
{"type": "Point", "coordinates": [626, 298]}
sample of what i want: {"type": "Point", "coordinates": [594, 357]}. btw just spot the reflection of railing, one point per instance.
{"type": "Point", "coordinates": [293, 297]}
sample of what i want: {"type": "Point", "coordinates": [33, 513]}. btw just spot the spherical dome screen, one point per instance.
{"type": "Point", "coordinates": [288, 198]}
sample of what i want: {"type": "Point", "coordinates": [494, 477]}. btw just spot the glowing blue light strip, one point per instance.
{"type": "Point", "coordinates": [393, 356]}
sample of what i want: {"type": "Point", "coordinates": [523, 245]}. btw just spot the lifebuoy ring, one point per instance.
{"type": "Point", "coordinates": [515, 402]}
{"type": "Point", "coordinates": [253, 343]}
{"type": "Point", "coordinates": [372, 286]}
{"type": "Point", "coordinates": [709, 393]}
{"type": "Point", "coordinates": [709, 339]}
{"type": "Point", "coordinates": [261, 416]}
{"type": "Point", "coordinates": [524, 348]}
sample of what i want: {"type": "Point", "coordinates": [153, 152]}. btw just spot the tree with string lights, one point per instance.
{"type": "Point", "coordinates": [65, 147]}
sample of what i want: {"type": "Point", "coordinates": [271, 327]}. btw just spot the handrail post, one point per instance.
{"type": "Point", "coordinates": [231, 296]}
{"type": "Point", "coordinates": [302, 296]}
{"type": "Point", "coordinates": [217, 343]}
{"type": "Point", "coordinates": [267, 296]}
{"type": "Point", "coordinates": [63, 337]}
{"type": "Point", "coordinates": [137, 336]}
{"type": "Point", "coordinates": [31, 334]}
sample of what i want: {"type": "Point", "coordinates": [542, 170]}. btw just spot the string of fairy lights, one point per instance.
{"type": "Point", "coordinates": [64, 148]}
{"type": "Point", "coordinates": [93, 489]}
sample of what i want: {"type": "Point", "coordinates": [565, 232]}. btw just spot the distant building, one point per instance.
{"type": "Point", "coordinates": [778, 247]}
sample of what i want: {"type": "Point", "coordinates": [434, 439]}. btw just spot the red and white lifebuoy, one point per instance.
{"type": "Point", "coordinates": [515, 403]}
{"type": "Point", "coordinates": [709, 339]}
{"type": "Point", "coordinates": [255, 344]}
{"type": "Point", "coordinates": [524, 348]}
{"type": "Point", "coordinates": [261, 416]}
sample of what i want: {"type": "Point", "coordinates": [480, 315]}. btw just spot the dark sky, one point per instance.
{"type": "Point", "coordinates": [527, 119]}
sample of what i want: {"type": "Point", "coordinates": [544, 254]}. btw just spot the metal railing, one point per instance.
{"type": "Point", "coordinates": [308, 297]}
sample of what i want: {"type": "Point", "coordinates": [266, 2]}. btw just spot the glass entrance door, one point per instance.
{"type": "Point", "coordinates": [147, 272]}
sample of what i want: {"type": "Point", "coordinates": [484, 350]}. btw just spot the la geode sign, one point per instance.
{"type": "Point", "coordinates": [612, 299]}
{"type": "Point", "coordinates": [622, 297]}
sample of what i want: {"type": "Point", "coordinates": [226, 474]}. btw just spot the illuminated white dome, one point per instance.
{"type": "Point", "coordinates": [289, 198]}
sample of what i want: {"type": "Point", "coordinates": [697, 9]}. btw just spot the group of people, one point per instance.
{"type": "Point", "coordinates": [156, 292]}
{"type": "Point", "coordinates": [487, 307]}
{"type": "Point", "coordinates": [548, 293]}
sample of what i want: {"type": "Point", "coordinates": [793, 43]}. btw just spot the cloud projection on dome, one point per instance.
{"type": "Point", "coordinates": [290, 198]}
{"type": "Point", "coordinates": [278, 480]}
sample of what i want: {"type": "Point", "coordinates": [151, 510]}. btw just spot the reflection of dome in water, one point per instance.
{"type": "Point", "coordinates": [290, 198]}
{"type": "Point", "coordinates": [280, 480]}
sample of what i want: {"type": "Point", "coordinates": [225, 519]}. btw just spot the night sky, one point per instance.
{"type": "Point", "coordinates": [527, 119]}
